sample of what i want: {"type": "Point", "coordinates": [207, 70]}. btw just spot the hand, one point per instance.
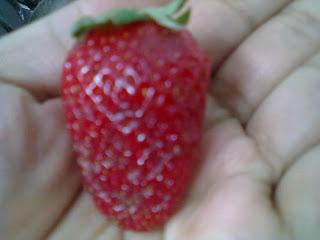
{"type": "Point", "coordinates": [260, 171]}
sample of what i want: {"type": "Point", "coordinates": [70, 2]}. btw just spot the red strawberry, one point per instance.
{"type": "Point", "coordinates": [134, 98]}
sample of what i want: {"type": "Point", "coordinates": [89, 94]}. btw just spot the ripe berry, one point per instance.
{"type": "Point", "coordinates": [134, 99]}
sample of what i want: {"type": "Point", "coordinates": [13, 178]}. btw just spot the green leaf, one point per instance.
{"type": "Point", "coordinates": [171, 8]}
{"type": "Point", "coordinates": [116, 17]}
{"type": "Point", "coordinates": [162, 15]}
{"type": "Point", "coordinates": [121, 16]}
{"type": "Point", "coordinates": [166, 21]}
{"type": "Point", "coordinates": [82, 26]}
{"type": "Point", "coordinates": [184, 18]}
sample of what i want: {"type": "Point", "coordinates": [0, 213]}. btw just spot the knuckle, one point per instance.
{"type": "Point", "coordinates": [303, 21]}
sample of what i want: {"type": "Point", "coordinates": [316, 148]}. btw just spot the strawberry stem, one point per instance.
{"type": "Point", "coordinates": [164, 16]}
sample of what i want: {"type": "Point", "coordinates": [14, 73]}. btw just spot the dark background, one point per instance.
{"type": "Point", "coordinates": [15, 13]}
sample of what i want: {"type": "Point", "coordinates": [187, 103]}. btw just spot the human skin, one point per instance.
{"type": "Point", "coordinates": [259, 175]}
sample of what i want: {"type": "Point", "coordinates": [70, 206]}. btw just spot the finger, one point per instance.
{"type": "Point", "coordinates": [32, 57]}
{"type": "Point", "coordinates": [236, 209]}
{"type": "Point", "coordinates": [298, 196]}
{"type": "Point", "coordinates": [39, 177]}
{"type": "Point", "coordinates": [83, 222]}
{"type": "Point", "coordinates": [231, 198]}
{"type": "Point", "coordinates": [267, 57]}
{"type": "Point", "coordinates": [228, 152]}
{"type": "Point", "coordinates": [40, 60]}
{"type": "Point", "coordinates": [214, 113]}
{"type": "Point", "coordinates": [221, 25]}
{"type": "Point", "coordinates": [145, 236]}
{"type": "Point", "coordinates": [287, 124]}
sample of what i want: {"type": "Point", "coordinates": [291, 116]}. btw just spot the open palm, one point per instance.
{"type": "Point", "coordinates": [260, 172]}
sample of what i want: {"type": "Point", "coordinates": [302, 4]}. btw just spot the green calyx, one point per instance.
{"type": "Point", "coordinates": [166, 16]}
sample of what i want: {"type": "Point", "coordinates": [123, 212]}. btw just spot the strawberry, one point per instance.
{"type": "Point", "coordinates": [134, 89]}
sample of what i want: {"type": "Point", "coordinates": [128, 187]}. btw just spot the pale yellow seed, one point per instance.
{"type": "Point", "coordinates": [75, 89]}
